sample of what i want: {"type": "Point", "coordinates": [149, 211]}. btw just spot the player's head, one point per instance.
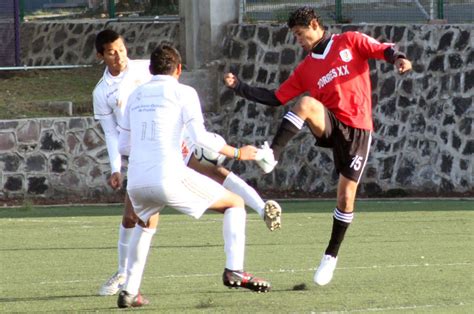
{"type": "Point", "coordinates": [306, 26]}
{"type": "Point", "coordinates": [165, 60]}
{"type": "Point", "coordinates": [111, 49]}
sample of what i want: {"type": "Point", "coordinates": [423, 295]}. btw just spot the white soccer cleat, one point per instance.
{"type": "Point", "coordinates": [272, 215]}
{"type": "Point", "coordinates": [325, 270]}
{"type": "Point", "coordinates": [265, 158]}
{"type": "Point", "coordinates": [113, 285]}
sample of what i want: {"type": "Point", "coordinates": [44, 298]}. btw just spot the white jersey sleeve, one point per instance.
{"type": "Point", "coordinates": [99, 100]}
{"type": "Point", "coordinates": [124, 144]}
{"type": "Point", "coordinates": [108, 121]}
{"type": "Point", "coordinates": [111, 140]}
{"type": "Point", "coordinates": [194, 122]}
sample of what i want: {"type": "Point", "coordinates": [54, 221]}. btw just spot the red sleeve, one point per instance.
{"type": "Point", "coordinates": [368, 47]}
{"type": "Point", "coordinates": [292, 87]}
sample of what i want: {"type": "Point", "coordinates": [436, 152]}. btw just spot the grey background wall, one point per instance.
{"type": "Point", "coordinates": [423, 143]}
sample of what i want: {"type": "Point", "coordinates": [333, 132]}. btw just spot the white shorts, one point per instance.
{"type": "Point", "coordinates": [191, 194]}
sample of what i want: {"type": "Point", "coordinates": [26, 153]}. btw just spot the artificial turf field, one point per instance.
{"type": "Point", "coordinates": [411, 256]}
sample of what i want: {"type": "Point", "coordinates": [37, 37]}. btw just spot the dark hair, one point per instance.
{"type": "Point", "coordinates": [105, 37]}
{"type": "Point", "coordinates": [303, 17]}
{"type": "Point", "coordinates": [164, 59]}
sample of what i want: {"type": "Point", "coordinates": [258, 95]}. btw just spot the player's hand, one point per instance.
{"type": "Point", "coordinates": [115, 180]}
{"type": "Point", "coordinates": [230, 80]}
{"type": "Point", "coordinates": [402, 65]}
{"type": "Point", "coordinates": [248, 152]}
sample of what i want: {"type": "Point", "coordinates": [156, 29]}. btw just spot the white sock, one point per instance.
{"type": "Point", "coordinates": [137, 254]}
{"type": "Point", "coordinates": [234, 237]}
{"type": "Point", "coordinates": [238, 186]}
{"type": "Point", "coordinates": [124, 238]}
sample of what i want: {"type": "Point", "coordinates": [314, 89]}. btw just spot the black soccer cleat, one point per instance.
{"type": "Point", "coordinates": [126, 300]}
{"type": "Point", "coordinates": [241, 279]}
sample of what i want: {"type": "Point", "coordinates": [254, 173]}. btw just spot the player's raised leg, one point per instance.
{"type": "Point", "coordinates": [270, 211]}
{"type": "Point", "coordinates": [308, 110]}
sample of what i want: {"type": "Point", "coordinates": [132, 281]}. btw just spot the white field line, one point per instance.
{"type": "Point", "coordinates": [269, 271]}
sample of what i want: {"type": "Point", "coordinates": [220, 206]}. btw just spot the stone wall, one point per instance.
{"type": "Point", "coordinates": [53, 159]}
{"type": "Point", "coordinates": [423, 142]}
{"type": "Point", "coordinates": [72, 43]}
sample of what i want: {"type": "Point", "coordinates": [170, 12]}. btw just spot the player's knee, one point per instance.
{"type": "Point", "coordinates": [309, 107]}
{"type": "Point", "coordinates": [345, 202]}
{"type": "Point", "coordinates": [237, 201]}
{"type": "Point", "coordinates": [129, 220]}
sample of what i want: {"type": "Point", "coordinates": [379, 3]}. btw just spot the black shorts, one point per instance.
{"type": "Point", "coordinates": [350, 146]}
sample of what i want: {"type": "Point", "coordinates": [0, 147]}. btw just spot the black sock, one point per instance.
{"type": "Point", "coordinates": [339, 229]}
{"type": "Point", "coordinates": [285, 133]}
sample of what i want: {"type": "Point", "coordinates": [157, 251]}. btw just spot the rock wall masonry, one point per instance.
{"type": "Point", "coordinates": [423, 143]}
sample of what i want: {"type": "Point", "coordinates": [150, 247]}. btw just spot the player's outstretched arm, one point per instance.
{"type": "Point", "coordinates": [257, 94]}
{"type": "Point", "coordinates": [402, 65]}
{"type": "Point", "coordinates": [247, 152]}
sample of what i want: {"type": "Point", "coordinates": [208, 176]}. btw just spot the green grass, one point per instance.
{"type": "Point", "coordinates": [25, 94]}
{"type": "Point", "coordinates": [398, 256]}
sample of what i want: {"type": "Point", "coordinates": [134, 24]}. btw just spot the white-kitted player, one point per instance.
{"type": "Point", "coordinates": [150, 132]}
{"type": "Point", "coordinates": [121, 77]}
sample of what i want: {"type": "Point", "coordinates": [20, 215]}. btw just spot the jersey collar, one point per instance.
{"type": "Point", "coordinates": [322, 48]}
{"type": "Point", "coordinates": [161, 77]}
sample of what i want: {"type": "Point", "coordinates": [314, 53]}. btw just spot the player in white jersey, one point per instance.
{"type": "Point", "coordinates": [151, 132]}
{"type": "Point", "coordinates": [121, 77]}
{"type": "Point", "coordinates": [110, 95]}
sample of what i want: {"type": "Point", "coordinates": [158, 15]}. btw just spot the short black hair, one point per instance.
{"type": "Point", "coordinates": [303, 17]}
{"type": "Point", "coordinates": [164, 59]}
{"type": "Point", "coordinates": [105, 37]}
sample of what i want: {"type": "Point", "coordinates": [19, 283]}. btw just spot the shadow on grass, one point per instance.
{"type": "Point", "coordinates": [289, 206]}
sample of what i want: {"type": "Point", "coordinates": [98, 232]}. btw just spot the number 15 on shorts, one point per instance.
{"type": "Point", "coordinates": [356, 163]}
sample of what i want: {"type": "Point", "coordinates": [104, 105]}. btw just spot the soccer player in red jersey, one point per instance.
{"type": "Point", "coordinates": [337, 109]}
